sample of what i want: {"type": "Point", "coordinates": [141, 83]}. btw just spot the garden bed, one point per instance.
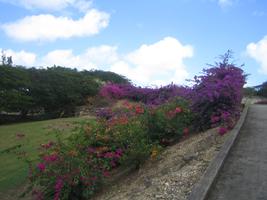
{"type": "Point", "coordinates": [172, 175]}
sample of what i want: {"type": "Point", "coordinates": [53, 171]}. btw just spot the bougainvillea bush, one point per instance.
{"type": "Point", "coordinates": [148, 96]}
{"type": "Point", "coordinates": [129, 136]}
{"type": "Point", "coordinates": [217, 93]}
{"type": "Point", "coordinates": [147, 120]}
{"type": "Point", "coordinates": [169, 121]}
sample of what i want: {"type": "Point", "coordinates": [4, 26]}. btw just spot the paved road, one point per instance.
{"type": "Point", "coordinates": [244, 174]}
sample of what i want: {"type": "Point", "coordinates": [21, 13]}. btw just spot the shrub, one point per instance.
{"type": "Point", "coordinates": [148, 96]}
{"type": "Point", "coordinates": [130, 133]}
{"type": "Point", "coordinates": [217, 94]}
{"type": "Point", "coordinates": [168, 121]}
{"type": "Point", "coordinates": [76, 169]}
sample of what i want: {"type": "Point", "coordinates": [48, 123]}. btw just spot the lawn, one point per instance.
{"type": "Point", "coordinates": [13, 172]}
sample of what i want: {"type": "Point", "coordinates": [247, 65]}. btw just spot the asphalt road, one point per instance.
{"type": "Point", "coordinates": [244, 174]}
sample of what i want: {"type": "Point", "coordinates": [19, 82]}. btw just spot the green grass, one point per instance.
{"type": "Point", "coordinates": [13, 172]}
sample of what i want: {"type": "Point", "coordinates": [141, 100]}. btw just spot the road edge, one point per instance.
{"type": "Point", "coordinates": [203, 186]}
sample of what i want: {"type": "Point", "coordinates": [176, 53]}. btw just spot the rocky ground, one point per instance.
{"type": "Point", "coordinates": [172, 175]}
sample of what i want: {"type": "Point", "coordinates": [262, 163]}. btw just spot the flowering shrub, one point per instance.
{"type": "Point", "coordinates": [136, 130]}
{"type": "Point", "coordinates": [217, 94]}
{"type": "Point", "coordinates": [169, 121]}
{"type": "Point", "coordinates": [149, 96]}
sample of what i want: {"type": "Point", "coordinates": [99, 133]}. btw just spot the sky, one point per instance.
{"type": "Point", "coordinates": [152, 43]}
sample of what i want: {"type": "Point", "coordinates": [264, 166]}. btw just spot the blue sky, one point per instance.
{"type": "Point", "coordinates": [151, 42]}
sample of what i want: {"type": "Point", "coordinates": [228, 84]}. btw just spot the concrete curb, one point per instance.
{"type": "Point", "coordinates": [201, 189]}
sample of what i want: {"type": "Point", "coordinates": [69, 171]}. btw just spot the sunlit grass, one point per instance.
{"type": "Point", "coordinates": [13, 172]}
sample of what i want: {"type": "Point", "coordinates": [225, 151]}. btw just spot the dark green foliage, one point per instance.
{"type": "Point", "coordinates": [108, 76]}
{"type": "Point", "coordinates": [249, 92]}
{"type": "Point", "coordinates": [56, 90]}
{"type": "Point", "coordinates": [14, 89]}
{"type": "Point", "coordinates": [262, 89]}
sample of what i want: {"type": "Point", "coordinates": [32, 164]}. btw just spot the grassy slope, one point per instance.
{"type": "Point", "coordinates": [13, 172]}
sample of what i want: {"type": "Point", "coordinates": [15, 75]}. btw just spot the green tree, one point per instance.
{"type": "Point", "coordinates": [262, 89]}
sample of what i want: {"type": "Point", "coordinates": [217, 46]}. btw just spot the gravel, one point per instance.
{"type": "Point", "coordinates": [172, 175]}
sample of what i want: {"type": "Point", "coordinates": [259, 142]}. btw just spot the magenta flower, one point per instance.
{"type": "Point", "coordinates": [58, 187]}
{"type": "Point", "coordinates": [50, 158]}
{"type": "Point", "coordinates": [119, 151]}
{"type": "Point", "coordinates": [41, 167]}
{"type": "Point", "coordinates": [178, 110]}
{"type": "Point", "coordinates": [222, 130]}
{"type": "Point", "coordinates": [215, 119]}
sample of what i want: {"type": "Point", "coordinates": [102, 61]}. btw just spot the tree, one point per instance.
{"type": "Point", "coordinates": [14, 89]}
{"type": "Point", "coordinates": [6, 60]}
{"type": "Point", "coordinates": [262, 89]}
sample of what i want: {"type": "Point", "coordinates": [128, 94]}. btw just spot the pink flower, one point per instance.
{"type": "Point", "coordinates": [222, 130]}
{"type": "Point", "coordinates": [58, 187]}
{"type": "Point", "coordinates": [48, 145]}
{"type": "Point", "coordinates": [109, 155]}
{"type": "Point", "coordinates": [50, 158]}
{"type": "Point", "coordinates": [139, 109]}
{"type": "Point", "coordinates": [119, 151]}
{"type": "Point", "coordinates": [41, 167]}
{"type": "Point", "coordinates": [215, 119]}
{"type": "Point", "coordinates": [178, 110]}
{"type": "Point", "coordinates": [106, 174]}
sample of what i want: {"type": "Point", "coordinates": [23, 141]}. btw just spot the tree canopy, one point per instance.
{"type": "Point", "coordinates": [54, 90]}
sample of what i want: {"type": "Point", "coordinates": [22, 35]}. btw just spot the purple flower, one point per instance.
{"type": "Point", "coordinates": [222, 130]}
{"type": "Point", "coordinates": [41, 167]}
{"type": "Point", "coordinates": [58, 187]}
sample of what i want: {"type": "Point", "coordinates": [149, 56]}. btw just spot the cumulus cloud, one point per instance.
{"type": "Point", "coordinates": [21, 57]}
{"type": "Point", "coordinates": [47, 27]}
{"type": "Point", "coordinates": [92, 58]}
{"type": "Point", "coordinates": [258, 51]}
{"type": "Point", "coordinates": [54, 5]}
{"type": "Point", "coordinates": [151, 64]}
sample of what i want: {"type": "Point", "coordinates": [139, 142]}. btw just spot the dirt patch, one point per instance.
{"type": "Point", "coordinates": [172, 175]}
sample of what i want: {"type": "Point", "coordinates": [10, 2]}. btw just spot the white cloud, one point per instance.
{"type": "Point", "coordinates": [47, 27]}
{"type": "Point", "coordinates": [94, 57]}
{"type": "Point", "coordinates": [258, 51]}
{"type": "Point", "coordinates": [21, 57]}
{"type": "Point", "coordinates": [225, 3]}
{"type": "Point", "coordinates": [54, 5]}
{"type": "Point", "coordinates": [151, 64]}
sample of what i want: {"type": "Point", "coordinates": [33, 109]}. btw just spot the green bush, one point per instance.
{"type": "Point", "coordinates": [169, 121]}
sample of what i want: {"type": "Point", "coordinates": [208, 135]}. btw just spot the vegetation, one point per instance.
{"type": "Point", "coordinates": [137, 130]}
{"type": "Point", "coordinates": [29, 136]}
{"type": "Point", "coordinates": [54, 91]}
{"type": "Point", "coordinates": [262, 89]}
